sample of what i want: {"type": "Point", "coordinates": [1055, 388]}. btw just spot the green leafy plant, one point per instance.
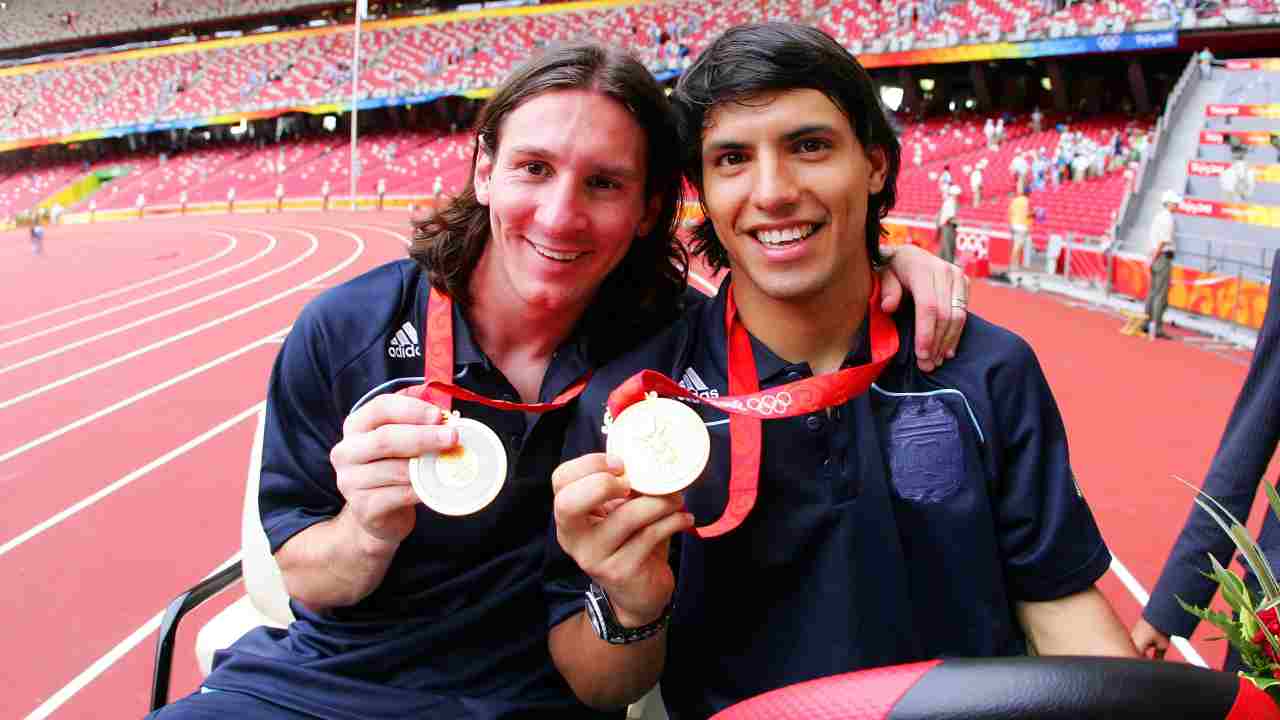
{"type": "Point", "coordinates": [1253, 626]}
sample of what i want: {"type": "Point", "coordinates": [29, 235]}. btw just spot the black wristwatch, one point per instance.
{"type": "Point", "coordinates": [606, 624]}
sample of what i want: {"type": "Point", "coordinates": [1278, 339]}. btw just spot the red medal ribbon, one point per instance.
{"type": "Point", "coordinates": [746, 404]}
{"type": "Point", "coordinates": [439, 366]}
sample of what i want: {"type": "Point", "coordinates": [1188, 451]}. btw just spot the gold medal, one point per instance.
{"type": "Point", "coordinates": [465, 478]}
{"type": "Point", "coordinates": [663, 444]}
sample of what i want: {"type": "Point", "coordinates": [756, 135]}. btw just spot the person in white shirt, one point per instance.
{"type": "Point", "coordinates": [1163, 245]}
{"type": "Point", "coordinates": [140, 204]}
{"type": "Point", "coordinates": [1037, 119]}
{"type": "Point", "coordinates": [279, 197]}
{"type": "Point", "coordinates": [947, 223]}
{"type": "Point", "coordinates": [382, 192]}
{"type": "Point", "coordinates": [324, 192]}
{"type": "Point", "coordinates": [1019, 169]}
{"type": "Point", "coordinates": [975, 185]}
{"type": "Point", "coordinates": [944, 181]}
{"type": "Point", "coordinates": [231, 199]}
{"type": "Point", "coordinates": [989, 130]}
{"type": "Point", "coordinates": [437, 189]}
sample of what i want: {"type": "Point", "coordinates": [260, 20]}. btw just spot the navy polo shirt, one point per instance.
{"type": "Point", "coordinates": [902, 525]}
{"type": "Point", "coordinates": [457, 628]}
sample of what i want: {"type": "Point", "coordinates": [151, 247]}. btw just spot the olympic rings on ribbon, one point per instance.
{"type": "Point", "coordinates": [771, 404]}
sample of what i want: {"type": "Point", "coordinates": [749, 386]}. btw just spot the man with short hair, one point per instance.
{"type": "Point", "coordinates": [1163, 246]}
{"type": "Point", "coordinates": [922, 515]}
{"type": "Point", "coordinates": [558, 254]}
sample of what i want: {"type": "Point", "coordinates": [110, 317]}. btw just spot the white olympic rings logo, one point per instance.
{"type": "Point", "coordinates": [773, 404]}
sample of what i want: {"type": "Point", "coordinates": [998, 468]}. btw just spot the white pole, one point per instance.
{"type": "Point", "coordinates": [355, 94]}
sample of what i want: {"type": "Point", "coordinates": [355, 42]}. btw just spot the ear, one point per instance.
{"type": "Point", "coordinates": [879, 169]}
{"type": "Point", "coordinates": [650, 217]}
{"type": "Point", "coordinates": [484, 170]}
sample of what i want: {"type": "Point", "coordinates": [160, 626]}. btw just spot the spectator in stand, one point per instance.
{"type": "Point", "coordinates": [1039, 170]}
{"type": "Point", "coordinates": [1037, 119]}
{"type": "Point", "coordinates": [1205, 59]}
{"type": "Point", "coordinates": [975, 184]}
{"type": "Point", "coordinates": [182, 201]}
{"type": "Point", "coordinates": [279, 197]}
{"type": "Point", "coordinates": [437, 190]}
{"type": "Point", "coordinates": [1018, 168]}
{"type": "Point", "coordinates": [1000, 136]}
{"type": "Point", "coordinates": [944, 181]}
{"type": "Point", "coordinates": [947, 223]}
{"type": "Point", "coordinates": [989, 131]}
{"type": "Point", "coordinates": [1163, 247]}
{"type": "Point", "coordinates": [1019, 229]}
{"type": "Point", "coordinates": [1238, 466]}
{"type": "Point", "coordinates": [325, 189]}
{"type": "Point", "coordinates": [140, 204]}
{"type": "Point", "coordinates": [231, 199]}
{"type": "Point", "coordinates": [382, 192]}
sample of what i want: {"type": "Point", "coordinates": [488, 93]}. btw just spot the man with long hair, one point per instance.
{"type": "Point", "coordinates": [557, 255]}
{"type": "Point", "coordinates": [854, 511]}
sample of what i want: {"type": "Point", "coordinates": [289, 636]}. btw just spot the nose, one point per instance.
{"type": "Point", "coordinates": [560, 209]}
{"type": "Point", "coordinates": [775, 189]}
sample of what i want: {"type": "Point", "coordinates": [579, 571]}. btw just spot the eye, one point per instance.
{"type": "Point", "coordinates": [812, 145]}
{"type": "Point", "coordinates": [536, 168]}
{"type": "Point", "coordinates": [602, 183]}
{"type": "Point", "coordinates": [731, 158]}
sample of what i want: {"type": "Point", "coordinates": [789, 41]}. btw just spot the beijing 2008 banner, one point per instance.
{"type": "Point", "coordinates": [1269, 110]}
{"type": "Point", "coordinates": [1264, 215]}
{"type": "Point", "coordinates": [1210, 168]}
{"type": "Point", "coordinates": [1264, 64]}
{"type": "Point", "coordinates": [1219, 137]}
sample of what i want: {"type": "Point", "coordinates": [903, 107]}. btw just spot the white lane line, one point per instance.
{"type": "Point", "coordinates": [76, 425]}
{"type": "Point", "coordinates": [129, 478]}
{"type": "Point", "coordinates": [102, 664]}
{"type": "Point", "coordinates": [707, 285]}
{"type": "Point", "coordinates": [1143, 597]}
{"type": "Point", "coordinates": [315, 245]}
{"type": "Point", "coordinates": [112, 293]}
{"type": "Point", "coordinates": [271, 245]}
{"type": "Point", "coordinates": [359, 250]}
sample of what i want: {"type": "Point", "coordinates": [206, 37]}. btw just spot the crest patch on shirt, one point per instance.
{"type": "Point", "coordinates": [926, 455]}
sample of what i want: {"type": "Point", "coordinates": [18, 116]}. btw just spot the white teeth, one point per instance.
{"type": "Point", "coordinates": [554, 255]}
{"type": "Point", "coordinates": [786, 235]}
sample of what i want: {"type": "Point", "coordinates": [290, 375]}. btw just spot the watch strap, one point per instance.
{"type": "Point", "coordinates": [605, 622]}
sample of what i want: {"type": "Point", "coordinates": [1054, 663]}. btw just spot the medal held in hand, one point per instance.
{"type": "Point", "coordinates": [465, 478]}
{"type": "Point", "coordinates": [664, 445]}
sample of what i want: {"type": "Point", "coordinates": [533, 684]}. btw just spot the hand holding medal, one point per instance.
{"type": "Point", "coordinates": [463, 479]}
{"type": "Point", "coordinates": [664, 444]}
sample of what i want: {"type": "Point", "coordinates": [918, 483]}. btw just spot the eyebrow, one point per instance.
{"type": "Point", "coordinates": [802, 131]}
{"type": "Point", "coordinates": [623, 172]}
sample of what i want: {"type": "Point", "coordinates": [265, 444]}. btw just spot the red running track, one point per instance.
{"type": "Point", "coordinates": [132, 357]}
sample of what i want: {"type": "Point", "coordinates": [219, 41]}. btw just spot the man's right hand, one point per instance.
{"type": "Point", "coordinates": [372, 464]}
{"type": "Point", "coordinates": [1149, 641]}
{"type": "Point", "coordinates": [618, 539]}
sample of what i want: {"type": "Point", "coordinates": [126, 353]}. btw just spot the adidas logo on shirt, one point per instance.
{"type": "Point", "coordinates": [404, 344]}
{"type": "Point", "coordinates": [693, 383]}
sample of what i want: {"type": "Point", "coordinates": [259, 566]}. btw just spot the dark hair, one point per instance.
{"type": "Point", "coordinates": [645, 291]}
{"type": "Point", "coordinates": [750, 60]}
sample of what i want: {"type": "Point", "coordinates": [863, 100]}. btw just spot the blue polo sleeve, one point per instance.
{"type": "Point", "coordinates": [1051, 546]}
{"type": "Point", "coordinates": [298, 487]}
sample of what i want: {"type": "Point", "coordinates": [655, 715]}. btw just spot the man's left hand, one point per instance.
{"type": "Point", "coordinates": [941, 292]}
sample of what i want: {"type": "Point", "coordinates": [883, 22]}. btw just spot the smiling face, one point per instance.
{"type": "Point", "coordinates": [786, 184]}
{"type": "Point", "coordinates": [566, 197]}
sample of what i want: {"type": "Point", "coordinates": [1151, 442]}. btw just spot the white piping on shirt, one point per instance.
{"type": "Point", "coordinates": [404, 381]}
{"type": "Point", "coordinates": [944, 391]}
